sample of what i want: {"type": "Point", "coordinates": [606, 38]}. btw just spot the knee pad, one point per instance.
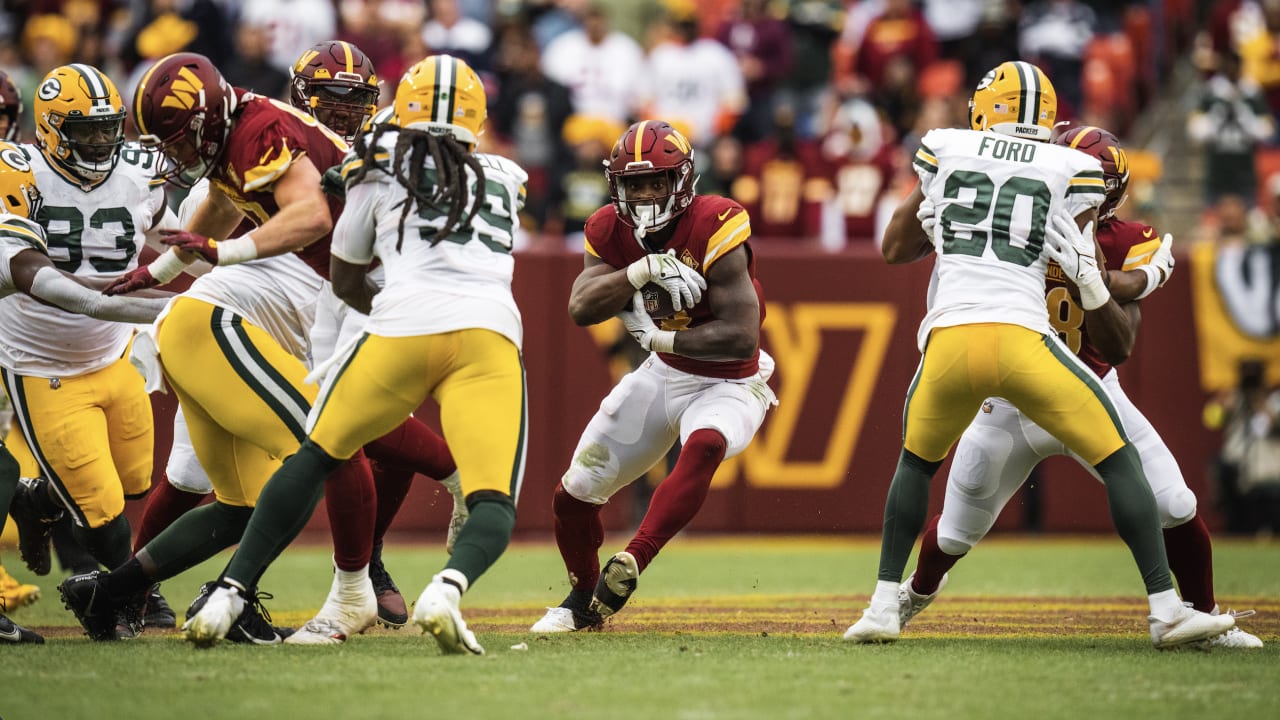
{"type": "Point", "coordinates": [1177, 507]}
{"type": "Point", "coordinates": [953, 546]}
{"type": "Point", "coordinates": [592, 469]}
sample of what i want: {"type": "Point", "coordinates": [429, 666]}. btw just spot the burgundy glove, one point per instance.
{"type": "Point", "coordinates": [205, 247]}
{"type": "Point", "coordinates": [139, 278]}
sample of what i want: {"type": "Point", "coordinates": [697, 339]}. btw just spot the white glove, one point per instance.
{"type": "Point", "coordinates": [1074, 251]}
{"type": "Point", "coordinates": [927, 217]}
{"type": "Point", "coordinates": [644, 329]}
{"type": "Point", "coordinates": [682, 282]}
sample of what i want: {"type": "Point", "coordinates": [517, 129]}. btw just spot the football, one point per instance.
{"type": "Point", "coordinates": [657, 301]}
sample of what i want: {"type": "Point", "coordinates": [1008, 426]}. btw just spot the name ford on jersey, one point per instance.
{"type": "Point", "coordinates": [1001, 149]}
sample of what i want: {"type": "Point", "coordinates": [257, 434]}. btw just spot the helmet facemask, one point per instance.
{"type": "Point", "coordinates": [651, 208]}
{"type": "Point", "coordinates": [343, 106]}
{"type": "Point", "coordinates": [90, 144]}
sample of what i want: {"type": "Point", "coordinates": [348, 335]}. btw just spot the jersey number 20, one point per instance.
{"type": "Point", "coordinates": [973, 218]}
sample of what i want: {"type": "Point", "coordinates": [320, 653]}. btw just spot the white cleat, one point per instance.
{"type": "Point", "coordinates": [1235, 638]}
{"type": "Point", "coordinates": [911, 603]}
{"type": "Point", "coordinates": [346, 612]}
{"type": "Point", "coordinates": [214, 619]}
{"type": "Point", "coordinates": [460, 512]}
{"type": "Point", "coordinates": [437, 612]}
{"type": "Point", "coordinates": [1187, 626]}
{"type": "Point", "coordinates": [878, 624]}
{"type": "Point", "coordinates": [564, 620]}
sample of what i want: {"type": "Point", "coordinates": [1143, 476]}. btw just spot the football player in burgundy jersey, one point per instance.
{"type": "Point", "coordinates": [999, 450]}
{"type": "Point", "coordinates": [705, 383]}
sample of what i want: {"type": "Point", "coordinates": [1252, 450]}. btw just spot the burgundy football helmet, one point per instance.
{"type": "Point", "coordinates": [10, 106]}
{"type": "Point", "coordinates": [1106, 147]}
{"type": "Point", "coordinates": [182, 107]}
{"type": "Point", "coordinates": [650, 147]}
{"type": "Point", "coordinates": [335, 82]}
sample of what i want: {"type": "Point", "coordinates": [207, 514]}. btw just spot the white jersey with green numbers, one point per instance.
{"type": "Point", "coordinates": [461, 281]}
{"type": "Point", "coordinates": [16, 235]}
{"type": "Point", "coordinates": [95, 233]}
{"type": "Point", "coordinates": [993, 196]}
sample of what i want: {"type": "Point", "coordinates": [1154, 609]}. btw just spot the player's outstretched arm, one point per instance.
{"type": "Point", "coordinates": [904, 239]}
{"type": "Point", "coordinates": [34, 273]}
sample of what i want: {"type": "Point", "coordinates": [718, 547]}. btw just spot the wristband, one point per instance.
{"type": "Point", "coordinates": [664, 341]}
{"type": "Point", "coordinates": [638, 273]}
{"type": "Point", "coordinates": [167, 267]}
{"type": "Point", "coordinates": [1153, 280]}
{"type": "Point", "coordinates": [238, 250]}
{"type": "Point", "coordinates": [1093, 292]}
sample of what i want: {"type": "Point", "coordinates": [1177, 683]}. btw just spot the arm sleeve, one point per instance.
{"type": "Point", "coordinates": [355, 232]}
{"type": "Point", "coordinates": [51, 286]}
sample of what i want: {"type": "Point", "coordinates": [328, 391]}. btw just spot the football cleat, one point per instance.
{"type": "Point", "coordinates": [11, 632]}
{"type": "Point", "coordinates": [33, 511]}
{"type": "Point", "coordinates": [16, 594]}
{"type": "Point", "coordinates": [616, 584]}
{"type": "Point", "coordinates": [911, 603]}
{"type": "Point", "coordinates": [253, 626]}
{"type": "Point", "coordinates": [347, 611]}
{"type": "Point", "coordinates": [391, 608]}
{"type": "Point", "coordinates": [211, 616]}
{"type": "Point", "coordinates": [84, 597]}
{"type": "Point", "coordinates": [1235, 638]}
{"type": "Point", "coordinates": [437, 612]}
{"type": "Point", "coordinates": [1187, 626]}
{"type": "Point", "coordinates": [878, 624]}
{"type": "Point", "coordinates": [157, 613]}
{"type": "Point", "coordinates": [129, 617]}
{"type": "Point", "coordinates": [565, 619]}
{"type": "Point", "coordinates": [453, 484]}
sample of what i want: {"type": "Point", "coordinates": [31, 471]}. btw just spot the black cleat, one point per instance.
{"type": "Point", "coordinates": [129, 617]}
{"type": "Point", "coordinates": [157, 613]}
{"type": "Point", "coordinates": [616, 584]}
{"type": "Point", "coordinates": [12, 632]}
{"type": "Point", "coordinates": [392, 611]}
{"type": "Point", "coordinates": [34, 513]}
{"type": "Point", "coordinates": [84, 597]}
{"type": "Point", "coordinates": [254, 624]}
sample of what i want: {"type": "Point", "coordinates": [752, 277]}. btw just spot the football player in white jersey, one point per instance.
{"type": "Point", "coordinates": [995, 204]}
{"type": "Point", "coordinates": [441, 219]}
{"type": "Point", "coordinates": [83, 409]}
{"type": "Point", "coordinates": [26, 270]}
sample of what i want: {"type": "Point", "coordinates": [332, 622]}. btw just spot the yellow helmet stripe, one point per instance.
{"type": "Point", "coordinates": [346, 51]}
{"type": "Point", "coordinates": [639, 138]}
{"type": "Point", "coordinates": [137, 98]}
{"type": "Point", "coordinates": [1087, 129]}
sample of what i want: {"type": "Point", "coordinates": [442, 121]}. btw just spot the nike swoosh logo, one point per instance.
{"type": "Point", "coordinates": [724, 214]}
{"type": "Point", "coordinates": [1147, 233]}
{"type": "Point", "coordinates": [11, 635]}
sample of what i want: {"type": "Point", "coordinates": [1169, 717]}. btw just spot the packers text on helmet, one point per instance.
{"type": "Point", "coordinates": [1104, 146]}
{"type": "Point", "coordinates": [442, 94]}
{"type": "Point", "coordinates": [1015, 98]}
{"type": "Point", "coordinates": [79, 122]}
{"type": "Point", "coordinates": [647, 150]}
{"type": "Point", "coordinates": [183, 108]}
{"type": "Point", "coordinates": [335, 82]}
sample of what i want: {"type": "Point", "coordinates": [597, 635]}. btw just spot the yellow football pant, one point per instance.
{"type": "Point", "coordinates": [91, 435]}
{"type": "Point", "coordinates": [475, 375]}
{"type": "Point", "coordinates": [242, 393]}
{"type": "Point", "coordinates": [965, 364]}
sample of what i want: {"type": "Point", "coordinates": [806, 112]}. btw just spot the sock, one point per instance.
{"type": "Point", "coordinates": [109, 543]}
{"type": "Point", "coordinates": [454, 579]}
{"type": "Point", "coordinates": [1133, 511]}
{"type": "Point", "coordinates": [414, 446]}
{"type": "Point", "coordinates": [886, 593]}
{"type": "Point", "coordinates": [193, 538]}
{"type": "Point", "coordinates": [904, 512]}
{"type": "Point", "coordinates": [352, 507]}
{"type": "Point", "coordinates": [10, 471]}
{"type": "Point", "coordinates": [126, 581]}
{"type": "Point", "coordinates": [285, 505]}
{"type": "Point", "coordinates": [1190, 554]}
{"type": "Point", "coordinates": [932, 563]}
{"type": "Point", "coordinates": [484, 537]}
{"type": "Point", "coordinates": [391, 484]}
{"type": "Point", "coordinates": [71, 556]}
{"type": "Point", "coordinates": [1165, 604]}
{"type": "Point", "coordinates": [579, 535]}
{"type": "Point", "coordinates": [678, 498]}
{"type": "Point", "coordinates": [165, 504]}
{"type": "Point", "coordinates": [351, 583]}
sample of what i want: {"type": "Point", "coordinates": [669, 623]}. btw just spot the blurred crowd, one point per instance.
{"type": "Point", "coordinates": [802, 110]}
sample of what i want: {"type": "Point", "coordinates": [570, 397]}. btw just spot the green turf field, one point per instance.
{"type": "Point", "coordinates": [720, 628]}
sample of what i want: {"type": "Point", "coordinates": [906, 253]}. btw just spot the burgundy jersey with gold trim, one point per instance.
{"type": "Point", "coordinates": [1125, 246]}
{"type": "Point", "coordinates": [710, 228]}
{"type": "Point", "coordinates": [267, 138]}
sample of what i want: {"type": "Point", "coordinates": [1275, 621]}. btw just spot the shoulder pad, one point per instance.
{"type": "Point", "coordinates": [505, 164]}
